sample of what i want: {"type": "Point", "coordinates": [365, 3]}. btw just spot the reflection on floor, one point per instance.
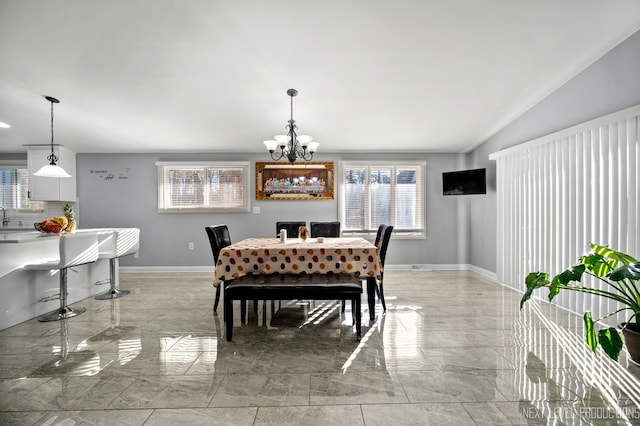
{"type": "Point", "coordinates": [453, 348]}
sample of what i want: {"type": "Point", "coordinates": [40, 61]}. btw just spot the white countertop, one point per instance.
{"type": "Point", "coordinates": [24, 236]}
{"type": "Point", "coordinates": [15, 228]}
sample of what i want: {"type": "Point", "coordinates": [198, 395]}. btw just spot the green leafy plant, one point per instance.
{"type": "Point", "coordinates": [619, 271]}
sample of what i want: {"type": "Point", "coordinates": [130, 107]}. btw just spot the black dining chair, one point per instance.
{"type": "Point", "coordinates": [290, 227]}
{"type": "Point", "coordinates": [219, 238]}
{"type": "Point", "coordinates": [325, 229]}
{"type": "Point", "coordinates": [382, 242]}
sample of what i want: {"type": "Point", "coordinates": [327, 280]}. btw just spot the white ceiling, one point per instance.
{"type": "Point", "coordinates": [212, 75]}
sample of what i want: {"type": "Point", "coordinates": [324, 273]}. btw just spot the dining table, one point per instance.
{"type": "Point", "coordinates": [262, 256]}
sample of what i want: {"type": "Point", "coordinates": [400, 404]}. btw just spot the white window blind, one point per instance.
{"type": "Point", "coordinates": [14, 189]}
{"type": "Point", "coordinates": [557, 194]}
{"type": "Point", "coordinates": [372, 194]}
{"type": "Point", "coordinates": [203, 186]}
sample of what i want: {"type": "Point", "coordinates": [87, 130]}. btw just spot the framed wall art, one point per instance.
{"type": "Point", "coordinates": [305, 181]}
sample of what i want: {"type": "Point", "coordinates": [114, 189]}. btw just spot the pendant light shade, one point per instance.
{"type": "Point", "coordinates": [52, 169]}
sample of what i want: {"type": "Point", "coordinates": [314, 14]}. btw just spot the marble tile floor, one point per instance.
{"type": "Point", "coordinates": [452, 348]}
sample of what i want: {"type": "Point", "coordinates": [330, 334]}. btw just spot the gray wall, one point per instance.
{"type": "Point", "coordinates": [610, 84]}
{"type": "Point", "coordinates": [131, 201]}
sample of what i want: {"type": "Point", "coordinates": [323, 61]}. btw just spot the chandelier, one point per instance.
{"type": "Point", "coordinates": [52, 169]}
{"type": "Point", "coordinates": [291, 146]}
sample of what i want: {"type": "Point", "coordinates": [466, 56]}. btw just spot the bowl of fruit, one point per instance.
{"type": "Point", "coordinates": [58, 224]}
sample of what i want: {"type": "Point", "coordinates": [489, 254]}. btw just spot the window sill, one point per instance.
{"type": "Point", "coordinates": [203, 210]}
{"type": "Point", "coordinates": [395, 235]}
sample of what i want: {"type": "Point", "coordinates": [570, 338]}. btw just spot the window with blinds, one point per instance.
{"type": "Point", "coordinates": [389, 193]}
{"type": "Point", "coordinates": [14, 189]}
{"type": "Point", "coordinates": [203, 186]}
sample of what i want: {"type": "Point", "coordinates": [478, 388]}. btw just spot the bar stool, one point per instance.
{"type": "Point", "coordinates": [75, 249]}
{"type": "Point", "coordinates": [116, 244]}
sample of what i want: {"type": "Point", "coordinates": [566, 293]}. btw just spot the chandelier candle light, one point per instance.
{"type": "Point", "coordinates": [292, 146]}
{"type": "Point", "coordinates": [52, 169]}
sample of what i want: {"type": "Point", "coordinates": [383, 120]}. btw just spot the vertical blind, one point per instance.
{"type": "Point", "coordinates": [557, 194]}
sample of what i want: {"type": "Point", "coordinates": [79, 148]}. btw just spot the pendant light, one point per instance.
{"type": "Point", "coordinates": [52, 169]}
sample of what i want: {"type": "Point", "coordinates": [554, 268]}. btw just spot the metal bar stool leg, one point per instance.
{"type": "Point", "coordinates": [114, 279]}
{"type": "Point", "coordinates": [64, 311]}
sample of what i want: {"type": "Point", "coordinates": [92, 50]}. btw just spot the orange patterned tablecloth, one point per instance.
{"type": "Point", "coordinates": [269, 256]}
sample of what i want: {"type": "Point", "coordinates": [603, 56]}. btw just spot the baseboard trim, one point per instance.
{"type": "Point", "coordinates": [413, 267]}
{"type": "Point", "coordinates": [491, 275]}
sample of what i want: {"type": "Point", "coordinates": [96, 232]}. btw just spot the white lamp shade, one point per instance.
{"type": "Point", "coordinates": [304, 140]}
{"type": "Point", "coordinates": [313, 146]}
{"type": "Point", "coordinates": [52, 170]}
{"type": "Point", "coordinates": [271, 145]}
{"type": "Point", "coordinates": [282, 139]}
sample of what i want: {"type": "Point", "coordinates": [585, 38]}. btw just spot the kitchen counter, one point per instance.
{"type": "Point", "coordinates": [24, 236]}
{"type": "Point", "coordinates": [11, 228]}
{"type": "Point", "coordinates": [27, 293]}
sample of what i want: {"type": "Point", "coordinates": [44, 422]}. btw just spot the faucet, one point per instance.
{"type": "Point", "coordinates": [5, 218]}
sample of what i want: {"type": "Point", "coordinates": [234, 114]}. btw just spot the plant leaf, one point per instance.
{"type": "Point", "coordinates": [554, 288]}
{"type": "Point", "coordinates": [611, 342]}
{"type": "Point", "coordinates": [589, 333]}
{"type": "Point", "coordinates": [608, 253]}
{"type": "Point", "coordinates": [573, 273]}
{"type": "Point", "coordinates": [598, 264]}
{"type": "Point", "coordinates": [630, 271]}
{"type": "Point", "coordinates": [526, 296]}
{"type": "Point", "coordinates": [532, 281]}
{"type": "Point", "coordinates": [536, 280]}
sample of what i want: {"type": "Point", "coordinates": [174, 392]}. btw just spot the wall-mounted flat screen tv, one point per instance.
{"type": "Point", "coordinates": [464, 182]}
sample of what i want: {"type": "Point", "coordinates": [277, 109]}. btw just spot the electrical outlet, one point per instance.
{"type": "Point", "coordinates": [256, 210]}
{"type": "Point", "coordinates": [190, 246]}
{"type": "Point", "coordinates": [136, 255]}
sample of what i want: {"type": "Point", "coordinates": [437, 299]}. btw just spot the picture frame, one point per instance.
{"type": "Point", "coordinates": [304, 181]}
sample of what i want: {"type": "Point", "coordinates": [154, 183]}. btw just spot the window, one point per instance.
{"type": "Point", "coordinates": [203, 186]}
{"type": "Point", "coordinates": [388, 193]}
{"type": "Point", "coordinates": [14, 189]}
